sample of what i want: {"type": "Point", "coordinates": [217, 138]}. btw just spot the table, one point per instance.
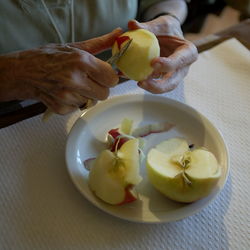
{"type": "Point", "coordinates": [239, 31]}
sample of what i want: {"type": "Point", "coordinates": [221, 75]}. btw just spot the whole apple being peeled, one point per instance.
{"type": "Point", "coordinates": [114, 174]}
{"type": "Point", "coordinates": [135, 63]}
{"type": "Point", "coordinates": [181, 174]}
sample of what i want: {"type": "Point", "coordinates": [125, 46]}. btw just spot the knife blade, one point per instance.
{"type": "Point", "coordinates": [113, 59]}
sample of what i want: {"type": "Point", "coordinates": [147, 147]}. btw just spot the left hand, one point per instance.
{"type": "Point", "coordinates": [177, 54]}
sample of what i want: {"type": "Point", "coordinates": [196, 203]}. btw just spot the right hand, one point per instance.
{"type": "Point", "coordinates": [63, 77]}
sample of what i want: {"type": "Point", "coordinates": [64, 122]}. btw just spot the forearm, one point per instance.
{"type": "Point", "coordinates": [176, 7]}
{"type": "Point", "coordinates": [8, 88]}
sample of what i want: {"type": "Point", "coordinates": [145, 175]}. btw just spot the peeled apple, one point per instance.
{"type": "Point", "coordinates": [136, 61]}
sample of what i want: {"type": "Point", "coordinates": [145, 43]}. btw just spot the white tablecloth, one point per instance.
{"type": "Point", "coordinates": [41, 209]}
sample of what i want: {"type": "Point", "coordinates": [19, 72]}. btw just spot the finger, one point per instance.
{"type": "Point", "coordinates": [67, 97]}
{"type": "Point", "coordinates": [150, 26]}
{"type": "Point", "coordinates": [169, 82]}
{"type": "Point", "coordinates": [55, 106]}
{"type": "Point", "coordinates": [183, 55]}
{"type": "Point", "coordinates": [84, 85]}
{"type": "Point", "coordinates": [98, 44]}
{"type": "Point", "coordinates": [100, 71]}
{"type": "Point", "coordinates": [64, 97]}
{"type": "Point", "coordinates": [133, 25]}
{"type": "Point", "coordinates": [97, 69]}
{"type": "Point", "coordinates": [163, 25]}
{"type": "Point", "coordinates": [90, 103]}
{"type": "Point", "coordinates": [78, 82]}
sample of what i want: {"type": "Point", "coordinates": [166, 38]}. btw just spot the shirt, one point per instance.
{"type": "Point", "coordinates": [26, 24]}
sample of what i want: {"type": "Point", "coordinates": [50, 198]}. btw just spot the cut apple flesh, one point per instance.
{"type": "Point", "coordinates": [173, 146]}
{"type": "Point", "coordinates": [115, 173]}
{"type": "Point", "coordinates": [204, 164]}
{"type": "Point", "coordinates": [129, 155]}
{"type": "Point", "coordinates": [126, 126]}
{"type": "Point", "coordinates": [180, 174]}
{"type": "Point", "coordinates": [102, 181]}
{"type": "Point", "coordinates": [136, 61]}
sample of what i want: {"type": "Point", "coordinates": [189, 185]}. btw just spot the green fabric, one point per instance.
{"type": "Point", "coordinates": [24, 24]}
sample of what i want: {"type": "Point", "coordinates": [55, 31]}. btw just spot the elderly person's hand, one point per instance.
{"type": "Point", "coordinates": [176, 54]}
{"type": "Point", "coordinates": [63, 77]}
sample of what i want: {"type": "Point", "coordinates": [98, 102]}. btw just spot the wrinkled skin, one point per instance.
{"type": "Point", "coordinates": [177, 54]}
{"type": "Point", "coordinates": [63, 77]}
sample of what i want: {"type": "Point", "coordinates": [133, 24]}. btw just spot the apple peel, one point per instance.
{"type": "Point", "coordinates": [88, 163]}
{"type": "Point", "coordinates": [152, 128]}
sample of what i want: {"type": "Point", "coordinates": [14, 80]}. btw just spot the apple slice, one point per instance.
{"type": "Point", "coordinates": [129, 156]}
{"type": "Point", "coordinates": [126, 126]}
{"type": "Point", "coordinates": [180, 174]}
{"type": "Point", "coordinates": [135, 63]}
{"type": "Point", "coordinates": [114, 174]}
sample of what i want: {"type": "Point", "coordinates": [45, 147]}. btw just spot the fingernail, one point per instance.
{"type": "Point", "coordinates": [132, 21]}
{"type": "Point", "coordinates": [141, 84]}
{"type": "Point", "coordinates": [117, 29]}
{"type": "Point", "coordinates": [157, 66]}
{"type": "Point", "coordinates": [156, 75]}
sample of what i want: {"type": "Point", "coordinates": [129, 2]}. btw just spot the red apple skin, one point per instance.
{"type": "Point", "coordinates": [120, 142]}
{"type": "Point", "coordinates": [115, 133]}
{"type": "Point", "coordinates": [120, 40]}
{"type": "Point", "coordinates": [129, 197]}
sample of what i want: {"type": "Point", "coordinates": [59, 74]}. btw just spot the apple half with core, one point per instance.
{"type": "Point", "coordinates": [180, 174]}
{"type": "Point", "coordinates": [135, 63]}
{"type": "Point", "coordinates": [114, 174]}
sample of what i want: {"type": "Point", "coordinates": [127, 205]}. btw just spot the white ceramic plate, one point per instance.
{"type": "Point", "coordinates": [87, 139]}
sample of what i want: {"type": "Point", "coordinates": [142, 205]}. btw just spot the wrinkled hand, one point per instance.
{"type": "Point", "coordinates": [63, 77]}
{"type": "Point", "coordinates": [177, 54]}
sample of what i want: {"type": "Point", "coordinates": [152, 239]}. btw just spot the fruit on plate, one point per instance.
{"type": "Point", "coordinates": [114, 174]}
{"type": "Point", "coordinates": [181, 174]}
{"type": "Point", "coordinates": [135, 63]}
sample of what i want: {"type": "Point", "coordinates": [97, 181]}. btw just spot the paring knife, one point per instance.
{"type": "Point", "coordinates": [113, 59]}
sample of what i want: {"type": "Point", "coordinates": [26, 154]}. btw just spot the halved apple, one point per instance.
{"type": "Point", "coordinates": [114, 174]}
{"type": "Point", "coordinates": [136, 61]}
{"type": "Point", "coordinates": [180, 174]}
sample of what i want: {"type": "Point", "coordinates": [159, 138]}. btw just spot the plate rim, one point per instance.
{"type": "Point", "coordinates": [161, 99]}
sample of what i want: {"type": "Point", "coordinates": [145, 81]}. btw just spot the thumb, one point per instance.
{"type": "Point", "coordinates": [98, 44]}
{"type": "Point", "coordinates": [133, 25]}
{"type": "Point", "coordinates": [150, 26]}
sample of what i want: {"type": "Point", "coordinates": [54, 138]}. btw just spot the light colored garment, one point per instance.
{"type": "Point", "coordinates": [26, 24]}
